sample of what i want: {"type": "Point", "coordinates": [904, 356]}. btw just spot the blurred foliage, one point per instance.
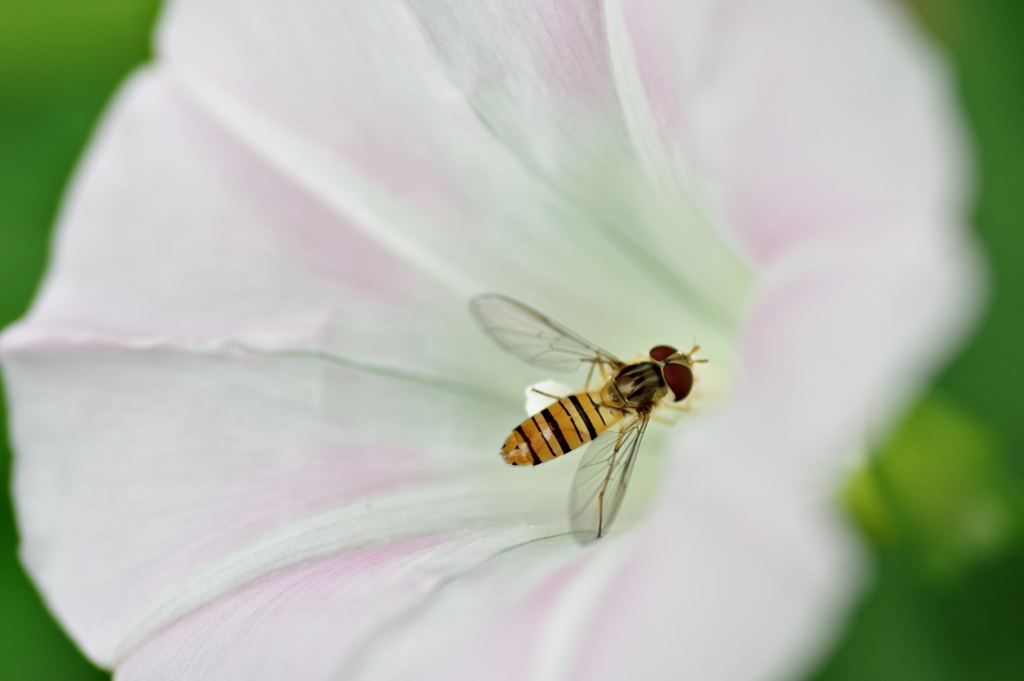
{"type": "Point", "coordinates": [60, 60]}
{"type": "Point", "coordinates": [940, 502]}
{"type": "Point", "coordinates": [943, 488]}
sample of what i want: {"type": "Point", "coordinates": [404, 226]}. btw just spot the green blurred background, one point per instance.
{"type": "Point", "coordinates": [942, 503]}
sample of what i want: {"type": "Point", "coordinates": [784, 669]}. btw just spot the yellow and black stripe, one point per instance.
{"type": "Point", "coordinates": [565, 425]}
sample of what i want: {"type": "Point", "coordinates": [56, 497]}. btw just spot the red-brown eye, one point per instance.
{"type": "Point", "coordinates": [662, 352]}
{"type": "Point", "coordinates": [679, 379]}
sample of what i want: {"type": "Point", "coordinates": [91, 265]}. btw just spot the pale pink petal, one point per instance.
{"type": "Point", "coordinates": [853, 136]}
{"type": "Point", "coordinates": [153, 446]}
{"type": "Point", "coordinates": [742, 552]}
{"type": "Point", "coordinates": [341, 176]}
{"type": "Point", "coordinates": [462, 112]}
{"type": "Point", "coordinates": [321, 620]}
{"type": "Point", "coordinates": [416, 78]}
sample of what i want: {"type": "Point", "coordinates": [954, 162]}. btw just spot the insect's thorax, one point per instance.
{"type": "Point", "coordinates": [637, 386]}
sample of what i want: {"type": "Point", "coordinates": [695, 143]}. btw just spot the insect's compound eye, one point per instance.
{"type": "Point", "coordinates": [662, 352]}
{"type": "Point", "coordinates": [679, 379]}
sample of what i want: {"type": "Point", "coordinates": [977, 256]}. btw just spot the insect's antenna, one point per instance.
{"type": "Point", "coordinates": [694, 349]}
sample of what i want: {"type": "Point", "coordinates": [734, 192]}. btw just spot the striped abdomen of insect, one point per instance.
{"type": "Point", "coordinates": [565, 425]}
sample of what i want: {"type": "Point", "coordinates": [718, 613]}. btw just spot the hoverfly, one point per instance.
{"type": "Point", "coordinates": [612, 419]}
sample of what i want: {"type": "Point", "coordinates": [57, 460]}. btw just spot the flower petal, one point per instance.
{"type": "Point", "coordinates": [175, 477]}
{"type": "Point", "coordinates": [154, 448]}
{"type": "Point", "coordinates": [271, 185]}
{"type": "Point", "coordinates": [317, 621]}
{"type": "Point", "coordinates": [810, 121]}
{"type": "Point", "coordinates": [423, 90]}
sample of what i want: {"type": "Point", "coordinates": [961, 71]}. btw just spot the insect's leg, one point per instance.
{"type": "Point", "coordinates": [541, 392]}
{"type": "Point", "coordinates": [674, 407]}
{"type": "Point", "coordinates": [689, 355]}
{"type": "Point", "coordinates": [604, 486]}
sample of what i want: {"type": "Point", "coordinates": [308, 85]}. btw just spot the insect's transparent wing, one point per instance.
{"type": "Point", "coordinates": [534, 338]}
{"type": "Point", "coordinates": [602, 477]}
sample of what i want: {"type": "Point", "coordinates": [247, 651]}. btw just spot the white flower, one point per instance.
{"type": "Point", "coordinates": [782, 181]}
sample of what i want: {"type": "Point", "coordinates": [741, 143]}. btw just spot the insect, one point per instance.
{"type": "Point", "coordinates": [612, 418]}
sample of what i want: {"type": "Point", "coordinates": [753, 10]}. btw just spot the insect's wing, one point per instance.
{"type": "Point", "coordinates": [602, 477]}
{"type": "Point", "coordinates": [533, 337]}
